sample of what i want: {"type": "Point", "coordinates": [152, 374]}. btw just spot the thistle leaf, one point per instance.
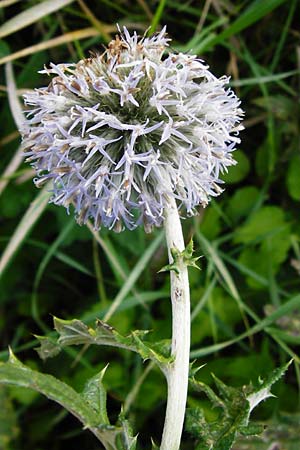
{"type": "Point", "coordinates": [154, 446]}
{"type": "Point", "coordinates": [89, 407]}
{"type": "Point", "coordinates": [181, 259]}
{"type": "Point", "coordinates": [262, 390]}
{"type": "Point", "coordinates": [127, 440]}
{"type": "Point", "coordinates": [75, 332]}
{"type": "Point", "coordinates": [95, 394]}
{"type": "Point", "coordinates": [235, 406]}
{"type": "Point", "coordinates": [48, 348]}
{"type": "Point", "coordinates": [15, 373]}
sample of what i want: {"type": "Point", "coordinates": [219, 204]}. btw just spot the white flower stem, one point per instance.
{"type": "Point", "coordinates": [178, 371]}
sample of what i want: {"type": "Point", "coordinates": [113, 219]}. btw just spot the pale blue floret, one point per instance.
{"type": "Point", "coordinates": [120, 133]}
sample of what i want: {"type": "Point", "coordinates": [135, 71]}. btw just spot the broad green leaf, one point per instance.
{"type": "Point", "coordinates": [211, 224]}
{"type": "Point", "coordinates": [8, 420]}
{"type": "Point", "coordinates": [293, 178]}
{"type": "Point", "coordinates": [235, 406]}
{"type": "Point", "coordinates": [257, 261]}
{"type": "Point", "coordinates": [238, 172]}
{"type": "Point", "coordinates": [241, 203]}
{"type": "Point", "coordinates": [269, 232]}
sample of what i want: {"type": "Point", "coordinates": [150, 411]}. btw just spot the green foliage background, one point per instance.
{"type": "Point", "coordinates": [249, 236]}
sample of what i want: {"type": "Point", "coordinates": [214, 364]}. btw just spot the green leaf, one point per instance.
{"type": "Point", "coordinates": [292, 179]}
{"type": "Point", "coordinates": [235, 405]}
{"type": "Point", "coordinates": [4, 49]}
{"type": "Point", "coordinates": [95, 394]}
{"type": "Point", "coordinates": [269, 233]}
{"type": "Point", "coordinates": [211, 224]}
{"type": "Point", "coordinates": [89, 407]}
{"type": "Point", "coordinates": [182, 259]}
{"type": "Point", "coordinates": [261, 223]}
{"type": "Point", "coordinates": [75, 332]}
{"type": "Point", "coordinates": [8, 420]}
{"type": "Point", "coordinates": [154, 446]}
{"type": "Point", "coordinates": [238, 172]}
{"type": "Point", "coordinates": [252, 14]}
{"type": "Point", "coordinates": [282, 429]}
{"type": "Point", "coordinates": [15, 373]}
{"type": "Point", "coordinates": [262, 159]}
{"type": "Point", "coordinates": [242, 202]}
{"type": "Point", "coordinates": [48, 348]}
{"type": "Point", "coordinates": [262, 390]}
{"type": "Point", "coordinates": [126, 440]}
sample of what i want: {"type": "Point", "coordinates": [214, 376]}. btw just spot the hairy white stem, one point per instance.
{"type": "Point", "coordinates": [178, 371]}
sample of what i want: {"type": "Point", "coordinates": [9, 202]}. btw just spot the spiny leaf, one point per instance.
{"type": "Point", "coordinates": [89, 407]}
{"type": "Point", "coordinates": [262, 390]}
{"type": "Point", "coordinates": [282, 429]}
{"type": "Point", "coordinates": [95, 394]}
{"type": "Point", "coordinates": [126, 440]}
{"type": "Point", "coordinates": [75, 332]}
{"type": "Point", "coordinates": [236, 405]}
{"type": "Point", "coordinates": [202, 387]}
{"type": "Point", "coordinates": [154, 446]}
{"type": "Point", "coordinates": [48, 348]}
{"type": "Point", "coordinates": [181, 259]}
{"type": "Point", "coordinates": [15, 373]}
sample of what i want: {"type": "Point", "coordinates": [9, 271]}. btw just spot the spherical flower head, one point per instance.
{"type": "Point", "coordinates": [121, 133]}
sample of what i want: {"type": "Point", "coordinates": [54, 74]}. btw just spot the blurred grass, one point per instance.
{"type": "Point", "coordinates": [249, 283]}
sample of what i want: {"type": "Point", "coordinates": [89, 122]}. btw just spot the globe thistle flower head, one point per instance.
{"type": "Point", "coordinates": [121, 133]}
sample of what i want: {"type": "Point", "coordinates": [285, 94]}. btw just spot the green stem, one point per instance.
{"type": "Point", "coordinates": [178, 371]}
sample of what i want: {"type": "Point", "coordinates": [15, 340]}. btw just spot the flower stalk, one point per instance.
{"type": "Point", "coordinates": [178, 371]}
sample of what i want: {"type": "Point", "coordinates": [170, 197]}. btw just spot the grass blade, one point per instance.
{"type": "Point", "coordinates": [255, 12]}
{"type": "Point", "coordinates": [27, 222]}
{"type": "Point", "coordinates": [11, 168]}
{"type": "Point", "coordinates": [290, 305]}
{"type": "Point", "coordinates": [140, 266]}
{"type": "Point", "coordinates": [5, 3]}
{"type": "Point", "coordinates": [32, 15]}
{"type": "Point", "coordinates": [13, 99]}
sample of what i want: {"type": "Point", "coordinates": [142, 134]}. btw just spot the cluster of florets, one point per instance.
{"type": "Point", "coordinates": [121, 133]}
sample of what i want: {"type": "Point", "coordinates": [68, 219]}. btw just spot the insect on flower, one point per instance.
{"type": "Point", "coordinates": [122, 132]}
